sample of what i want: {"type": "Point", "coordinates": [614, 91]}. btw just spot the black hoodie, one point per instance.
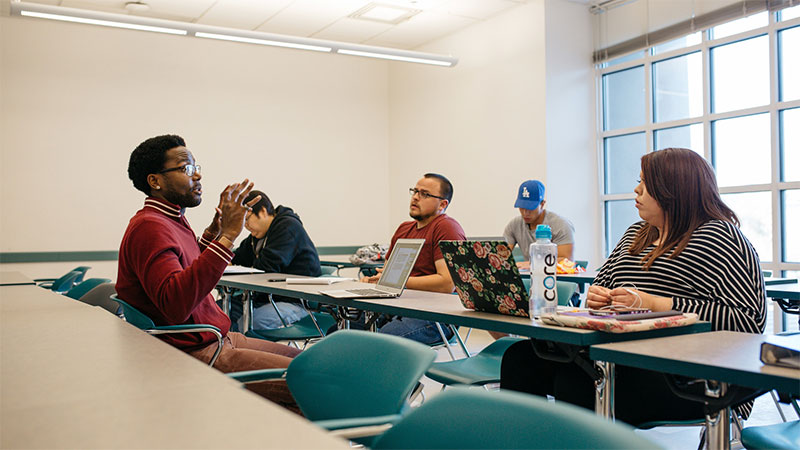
{"type": "Point", "coordinates": [287, 248]}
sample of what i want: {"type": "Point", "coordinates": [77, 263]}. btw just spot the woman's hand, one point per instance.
{"type": "Point", "coordinates": [598, 297]}
{"type": "Point", "coordinates": [634, 298]}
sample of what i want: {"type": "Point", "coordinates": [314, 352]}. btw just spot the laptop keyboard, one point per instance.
{"type": "Point", "coordinates": [367, 292]}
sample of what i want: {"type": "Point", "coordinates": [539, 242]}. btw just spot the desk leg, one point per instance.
{"type": "Point", "coordinates": [604, 390]}
{"type": "Point", "coordinates": [247, 312]}
{"type": "Point", "coordinates": [226, 300]}
{"type": "Point", "coordinates": [718, 426]}
{"type": "Point", "coordinates": [778, 318]}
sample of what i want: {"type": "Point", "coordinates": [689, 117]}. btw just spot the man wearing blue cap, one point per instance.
{"type": "Point", "coordinates": [520, 230]}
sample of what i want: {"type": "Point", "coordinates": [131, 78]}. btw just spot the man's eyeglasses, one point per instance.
{"type": "Point", "coordinates": [188, 169]}
{"type": "Point", "coordinates": [423, 194]}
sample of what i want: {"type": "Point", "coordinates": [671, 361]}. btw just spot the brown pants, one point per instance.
{"type": "Point", "coordinates": [242, 353]}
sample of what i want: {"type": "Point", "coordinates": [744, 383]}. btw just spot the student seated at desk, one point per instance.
{"type": "Point", "coordinates": [521, 229]}
{"type": "Point", "coordinates": [687, 254]}
{"type": "Point", "coordinates": [429, 200]}
{"type": "Point", "coordinates": [168, 274]}
{"type": "Point", "coordinates": [278, 243]}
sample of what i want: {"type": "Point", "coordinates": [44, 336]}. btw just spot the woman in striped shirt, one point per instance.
{"type": "Point", "coordinates": [687, 254]}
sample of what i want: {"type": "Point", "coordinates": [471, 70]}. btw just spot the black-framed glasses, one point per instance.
{"type": "Point", "coordinates": [423, 194]}
{"type": "Point", "coordinates": [188, 169]}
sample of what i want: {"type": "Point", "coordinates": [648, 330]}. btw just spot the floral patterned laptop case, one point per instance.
{"type": "Point", "coordinates": [486, 276]}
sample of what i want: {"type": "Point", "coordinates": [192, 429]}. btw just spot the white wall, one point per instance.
{"type": "Point", "coordinates": [310, 129]}
{"type": "Point", "coordinates": [572, 182]}
{"type": "Point", "coordinates": [519, 105]}
{"type": "Point", "coordinates": [332, 136]}
{"type": "Point", "coordinates": [481, 123]}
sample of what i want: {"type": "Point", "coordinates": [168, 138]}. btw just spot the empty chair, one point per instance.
{"type": "Point", "coordinates": [352, 378]}
{"type": "Point", "coordinates": [141, 321]}
{"type": "Point", "coordinates": [49, 283]}
{"type": "Point", "coordinates": [79, 290]}
{"type": "Point", "coordinates": [101, 296]}
{"type": "Point", "coordinates": [461, 418]}
{"type": "Point", "coordinates": [477, 370]}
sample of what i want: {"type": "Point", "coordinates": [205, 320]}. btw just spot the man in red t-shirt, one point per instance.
{"type": "Point", "coordinates": [429, 200]}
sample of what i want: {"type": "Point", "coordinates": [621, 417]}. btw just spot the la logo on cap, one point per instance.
{"type": "Point", "coordinates": [525, 192]}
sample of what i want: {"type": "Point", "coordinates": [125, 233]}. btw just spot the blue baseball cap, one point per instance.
{"type": "Point", "coordinates": [530, 195]}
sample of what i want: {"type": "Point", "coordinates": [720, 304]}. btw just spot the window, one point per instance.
{"type": "Point", "coordinates": [722, 93]}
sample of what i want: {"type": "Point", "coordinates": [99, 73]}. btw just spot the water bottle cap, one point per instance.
{"type": "Point", "coordinates": [543, 232]}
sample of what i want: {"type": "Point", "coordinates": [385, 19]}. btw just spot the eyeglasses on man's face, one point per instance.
{"type": "Point", "coordinates": [188, 169]}
{"type": "Point", "coordinates": [423, 194]}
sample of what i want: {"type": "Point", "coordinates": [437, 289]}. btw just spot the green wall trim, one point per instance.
{"type": "Point", "coordinates": [338, 250]}
{"type": "Point", "coordinates": [112, 255]}
{"type": "Point", "coordinates": [34, 257]}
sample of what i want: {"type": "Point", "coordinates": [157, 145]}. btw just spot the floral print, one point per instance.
{"type": "Point", "coordinates": [611, 325]}
{"type": "Point", "coordinates": [486, 276]}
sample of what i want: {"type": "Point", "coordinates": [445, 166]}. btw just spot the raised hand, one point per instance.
{"type": "Point", "coordinates": [233, 210]}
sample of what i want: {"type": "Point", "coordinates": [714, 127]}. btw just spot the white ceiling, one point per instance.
{"type": "Point", "coordinates": [322, 19]}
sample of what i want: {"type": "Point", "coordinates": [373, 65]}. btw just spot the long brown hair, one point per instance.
{"type": "Point", "coordinates": [685, 187]}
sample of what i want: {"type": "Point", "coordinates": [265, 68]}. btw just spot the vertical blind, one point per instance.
{"type": "Point", "coordinates": [625, 26]}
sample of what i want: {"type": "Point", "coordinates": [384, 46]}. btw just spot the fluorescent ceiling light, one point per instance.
{"type": "Point", "coordinates": [227, 37]}
{"type": "Point", "coordinates": [395, 57]}
{"type": "Point", "coordinates": [105, 23]}
{"type": "Point", "coordinates": [134, 22]}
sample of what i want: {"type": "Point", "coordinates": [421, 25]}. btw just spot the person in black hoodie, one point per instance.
{"type": "Point", "coordinates": [277, 243]}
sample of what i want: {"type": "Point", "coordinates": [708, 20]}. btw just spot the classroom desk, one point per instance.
{"type": "Point", "coordinates": [725, 357]}
{"type": "Point", "coordinates": [344, 263]}
{"type": "Point", "coordinates": [447, 308]}
{"type": "Point", "coordinates": [787, 296]}
{"type": "Point", "coordinates": [76, 376]}
{"type": "Point", "coordinates": [14, 279]}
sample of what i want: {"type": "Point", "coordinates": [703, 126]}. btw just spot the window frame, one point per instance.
{"type": "Point", "coordinates": [776, 186]}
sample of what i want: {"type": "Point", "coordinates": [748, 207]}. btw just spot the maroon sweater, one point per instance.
{"type": "Point", "coordinates": [166, 274]}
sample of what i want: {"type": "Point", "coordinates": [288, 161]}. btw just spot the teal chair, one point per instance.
{"type": "Point", "coordinates": [62, 284]}
{"type": "Point", "coordinates": [101, 296]}
{"type": "Point", "coordinates": [462, 418]}
{"type": "Point", "coordinates": [313, 326]}
{"type": "Point", "coordinates": [782, 436]}
{"type": "Point", "coordinates": [581, 263]}
{"type": "Point", "coordinates": [84, 287]}
{"type": "Point", "coordinates": [352, 378]}
{"type": "Point", "coordinates": [477, 370]}
{"type": "Point", "coordinates": [138, 319]}
{"type": "Point", "coordinates": [65, 282]}
{"type": "Point", "coordinates": [564, 290]}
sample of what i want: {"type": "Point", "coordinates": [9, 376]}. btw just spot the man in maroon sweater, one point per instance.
{"type": "Point", "coordinates": [168, 274]}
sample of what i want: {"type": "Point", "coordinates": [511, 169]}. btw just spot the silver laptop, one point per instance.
{"type": "Point", "coordinates": [395, 273]}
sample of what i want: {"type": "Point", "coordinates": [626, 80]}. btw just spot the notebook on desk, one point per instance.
{"type": "Point", "coordinates": [486, 276]}
{"type": "Point", "coordinates": [395, 273]}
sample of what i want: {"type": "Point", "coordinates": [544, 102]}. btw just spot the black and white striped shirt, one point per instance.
{"type": "Point", "coordinates": [716, 276]}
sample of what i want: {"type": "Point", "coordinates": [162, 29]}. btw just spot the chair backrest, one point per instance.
{"type": "Point", "coordinates": [101, 296]}
{"type": "Point", "coordinates": [327, 270]}
{"type": "Point", "coordinates": [357, 374]}
{"type": "Point", "coordinates": [473, 419]}
{"type": "Point", "coordinates": [66, 282]}
{"type": "Point", "coordinates": [133, 315]}
{"type": "Point", "coordinates": [564, 290]}
{"type": "Point", "coordinates": [81, 289]}
{"type": "Point", "coordinates": [82, 270]}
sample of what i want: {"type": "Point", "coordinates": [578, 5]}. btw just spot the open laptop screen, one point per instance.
{"type": "Point", "coordinates": [401, 261]}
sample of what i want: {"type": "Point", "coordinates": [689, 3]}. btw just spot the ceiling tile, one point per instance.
{"type": "Point", "coordinates": [475, 9]}
{"type": "Point", "coordinates": [306, 17]}
{"type": "Point", "coordinates": [242, 14]}
{"type": "Point", "coordinates": [424, 27]}
{"type": "Point", "coordinates": [352, 30]}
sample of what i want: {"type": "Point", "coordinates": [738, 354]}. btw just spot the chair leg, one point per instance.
{"type": "Point", "coordinates": [446, 342]}
{"type": "Point", "coordinates": [416, 393]}
{"type": "Point", "coordinates": [777, 405]}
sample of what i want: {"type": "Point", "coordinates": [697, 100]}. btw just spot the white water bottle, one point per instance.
{"type": "Point", "coordinates": [544, 255]}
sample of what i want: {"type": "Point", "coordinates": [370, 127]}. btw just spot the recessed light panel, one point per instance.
{"type": "Point", "coordinates": [390, 14]}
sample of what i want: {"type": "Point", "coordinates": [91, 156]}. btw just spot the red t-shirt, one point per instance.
{"type": "Point", "coordinates": [442, 228]}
